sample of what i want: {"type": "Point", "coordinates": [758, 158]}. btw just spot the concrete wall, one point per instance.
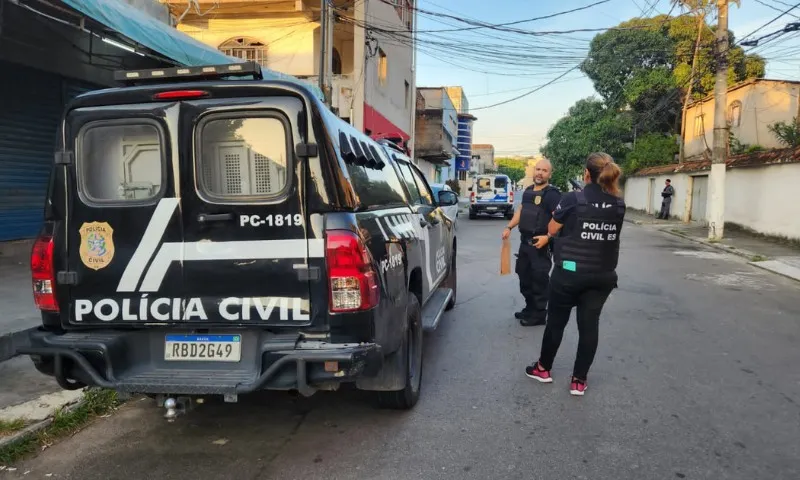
{"type": "Point", "coordinates": [756, 197]}
{"type": "Point", "coordinates": [644, 193]}
{"type": "Point", "coordinates": [762, 104]}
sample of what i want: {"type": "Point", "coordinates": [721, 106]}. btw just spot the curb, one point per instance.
{"type": "Point", "coordinates": [735, 251]}
{"type": "Point", "coordinates": [41, 424]}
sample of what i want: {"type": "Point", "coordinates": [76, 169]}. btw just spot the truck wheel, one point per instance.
{"type": "Point", "coordinates": [510, 215]}
{"type": "Point", "coordinates": [452, 281]}
{"type": "Point", "coordinates": [472, 214]}
{"type": "Point", "coordinates": [406, 398]}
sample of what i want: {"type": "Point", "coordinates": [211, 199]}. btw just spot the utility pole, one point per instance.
{"type": "Point", "coordinates": [324, 56]}
{"type": "Point", "coordinates": [701, 20]}
{"type": "Point", "coordinates": [719, 154]}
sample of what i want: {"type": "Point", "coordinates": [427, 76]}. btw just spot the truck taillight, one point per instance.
{"type": "Point", "coordinates": [43, 273]}
{"type": "Point", "coordinates": [352, 281]}
{"type": "Point", "coordinates": [472, 197]}
{"type": "Point", "coordinates": [511, 197]}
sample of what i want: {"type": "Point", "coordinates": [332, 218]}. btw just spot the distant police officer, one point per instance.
{"type": "Point", "coordinates": [534, 260]}
{"type": "Point", "coordinates": [666, 194]}
{"type": "Point", "coordinates": [586, 254]}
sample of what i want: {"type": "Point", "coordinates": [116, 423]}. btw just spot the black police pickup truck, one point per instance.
{"type": "Point", "coordinates": [213, 236]}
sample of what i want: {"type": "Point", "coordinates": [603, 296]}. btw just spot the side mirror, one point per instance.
{"type": "Point", "coordinates": [447, 199]}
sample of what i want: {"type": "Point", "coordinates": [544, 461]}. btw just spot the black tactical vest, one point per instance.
{"type": "Point", "coordinates": [535, 217]}
{"type": "Point", "coordinates": [593, 246]}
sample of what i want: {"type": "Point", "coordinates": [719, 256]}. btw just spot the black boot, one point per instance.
{"type": "Point", "coordinates": [533, 320]}
{"type": "Point", "coordinates": [522, 314]}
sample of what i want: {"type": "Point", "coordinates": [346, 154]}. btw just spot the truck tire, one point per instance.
{"type": "Point", "coordinates": [406, 398]}
{"type": "Point", "coordinates": [473, 214]}
{"type": "Point", "coordinates": [452, 280]}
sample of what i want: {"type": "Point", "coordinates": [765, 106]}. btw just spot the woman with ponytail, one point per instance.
{"type": "Point", "coordinates": [588, 224]}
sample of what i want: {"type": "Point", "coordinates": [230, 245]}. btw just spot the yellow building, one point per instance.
{"type": "Point", "coordinates": [372, 76]}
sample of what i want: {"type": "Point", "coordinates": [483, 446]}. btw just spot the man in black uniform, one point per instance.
{"type": "Point", "coordinates": [586, 255]}
{"type": "Point", "coordinates": [666, 194]}
{"type": "Point", "coordinates": [534, 259]}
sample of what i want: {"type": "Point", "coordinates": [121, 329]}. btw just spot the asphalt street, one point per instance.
{"type": "Point", "coordinates": [696, 377]}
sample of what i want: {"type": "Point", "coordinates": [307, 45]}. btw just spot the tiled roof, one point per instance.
{"type": "Point", "coordinates": [757, 159]}
{"type": "Point", "coordinates": [482, 145]}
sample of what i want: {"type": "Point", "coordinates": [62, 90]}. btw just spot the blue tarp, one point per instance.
{"type": "Point", "coordinates": [160, 37]}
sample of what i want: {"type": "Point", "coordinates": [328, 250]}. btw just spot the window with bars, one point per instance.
{"type": "Point", "coordinates": [243, 158]}
{"type": "Point", "coordinates": [120, 162]}
{"type": "Point", "coordinates": [248, 49]}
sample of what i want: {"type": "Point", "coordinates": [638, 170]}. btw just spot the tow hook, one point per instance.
{"type": "Point", "coordinates": [176, 406]}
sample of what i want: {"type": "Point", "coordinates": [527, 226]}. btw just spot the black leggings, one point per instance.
{"type": "Point", "coordinates": [588, 294]}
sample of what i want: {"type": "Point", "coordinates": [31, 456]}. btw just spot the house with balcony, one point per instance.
{"type": "Point", "coordinates": [370, 74]}
{"type": "Point", "coordinates": [436, 132]}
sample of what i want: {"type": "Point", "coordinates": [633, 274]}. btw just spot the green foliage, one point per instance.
{"type": "Point", "coordinates": [588, 127]}
{"type": "Point", "coordinates": [514, 168]}
{"type": "Point", "coordinates": [786, 133]}
{"type": "Point", "coordinates": [649, 69]}
{"type": "Point", "coordinates": [455, 185]}
{"type": "Point", "coordinates": [652, 149]}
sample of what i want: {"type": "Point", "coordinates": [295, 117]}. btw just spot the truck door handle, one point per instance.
{"type": "Point", "coordinates": [214, 217]}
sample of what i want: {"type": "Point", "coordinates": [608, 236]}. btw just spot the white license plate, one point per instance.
{"type": "Point", "coordinates": [203, 348]}
{"type": "Point", "coordinates": [491, 209]}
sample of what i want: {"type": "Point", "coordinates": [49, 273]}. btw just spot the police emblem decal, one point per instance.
{"type": "Point", "coordinates": [97, 244]}
{"type": "Point", "coordinates": [537, 199]}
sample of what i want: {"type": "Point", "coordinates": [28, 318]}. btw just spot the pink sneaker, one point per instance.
{"type": "Point", "coordinates": [577, 387]}
{"type": "Point", "coordinates": [538, 373]}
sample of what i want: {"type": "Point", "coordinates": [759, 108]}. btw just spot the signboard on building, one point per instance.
{"type": "Point", "coordinates": [462, 164]}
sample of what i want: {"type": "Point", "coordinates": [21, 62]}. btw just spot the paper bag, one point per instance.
{"type": "Point", "coordinates": [505, 257]}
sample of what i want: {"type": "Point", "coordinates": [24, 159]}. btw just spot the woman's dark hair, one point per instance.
{"type": "Point", "coordinates": [604, 172]}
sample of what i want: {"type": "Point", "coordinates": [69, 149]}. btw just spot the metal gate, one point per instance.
{"type": "Point", "coordinates": [699, 198]}
{"type": "Point", "coordinates": [32, 102]}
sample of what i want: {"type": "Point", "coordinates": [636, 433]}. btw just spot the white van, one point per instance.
{"type": "Point", "coordinates": [491, 194]}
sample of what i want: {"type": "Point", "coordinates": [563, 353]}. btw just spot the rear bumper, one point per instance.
{"type": "Point", "coordinates": [133, 361]}
{"type": "Point", "coordinates": [491, 207]}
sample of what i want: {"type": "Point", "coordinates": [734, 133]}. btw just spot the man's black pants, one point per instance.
{"type": "Point", "coordinates": [586, 292]}
{"type": "Point", "coordinates": [665, 206]}
{"type": "Point", "coordinates": [533, 268]}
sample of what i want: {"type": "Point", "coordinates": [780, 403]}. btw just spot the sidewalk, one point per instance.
{"type": "Point", "coordinates": [761, 252]}
{"type": "Point", "coordinates": [20, 381]}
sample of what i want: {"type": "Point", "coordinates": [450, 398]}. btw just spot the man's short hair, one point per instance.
{"type": "Point", "coordinates": [669, 181]}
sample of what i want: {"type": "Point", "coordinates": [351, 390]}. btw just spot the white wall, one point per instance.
{"type": "Point", "coordinates": [637, 189]}
{"type": "Point", "coordinates": [760, 199]}
{"type": "Point", "coordinates": [756, 197]}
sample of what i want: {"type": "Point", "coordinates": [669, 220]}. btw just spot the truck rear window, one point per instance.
{"type": "Point", "coordinates": [484, 185]}
{"type": "Point", "coordinates": [120, 162]}
{"type": "Point", "coordinates": [243, 157]}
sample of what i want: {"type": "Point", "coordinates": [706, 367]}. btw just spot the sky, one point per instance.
{"type": "Point", "coordinates": [520, 126]}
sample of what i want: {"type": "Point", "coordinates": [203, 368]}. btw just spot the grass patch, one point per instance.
{"type": "Point", "coordinates": [758, 258]}
{"type": "Point", "coordinates": [7, 427]}
{"type": "Point", "coordinates": [66, 421]}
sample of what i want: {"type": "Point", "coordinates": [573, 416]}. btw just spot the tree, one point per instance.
{"type": "Point", "coordinates": [588, 127]}
{"type": "Point", "coordinates": [651, 149]}
{"type": "Point", "coordinates": [646, 66]}
{"type": "Point", "coordinates": [514, 168]}
{"type": "Point", "coordinates": [786, 133]}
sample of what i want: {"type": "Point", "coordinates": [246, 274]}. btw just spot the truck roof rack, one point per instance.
{"type": "Point", "coordinates": [391, 145]}
{"type": "Point", "coordinates": [207, 72]}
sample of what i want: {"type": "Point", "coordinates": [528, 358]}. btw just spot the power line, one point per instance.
{"type": "Point", "coordinates": [530, 92]}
